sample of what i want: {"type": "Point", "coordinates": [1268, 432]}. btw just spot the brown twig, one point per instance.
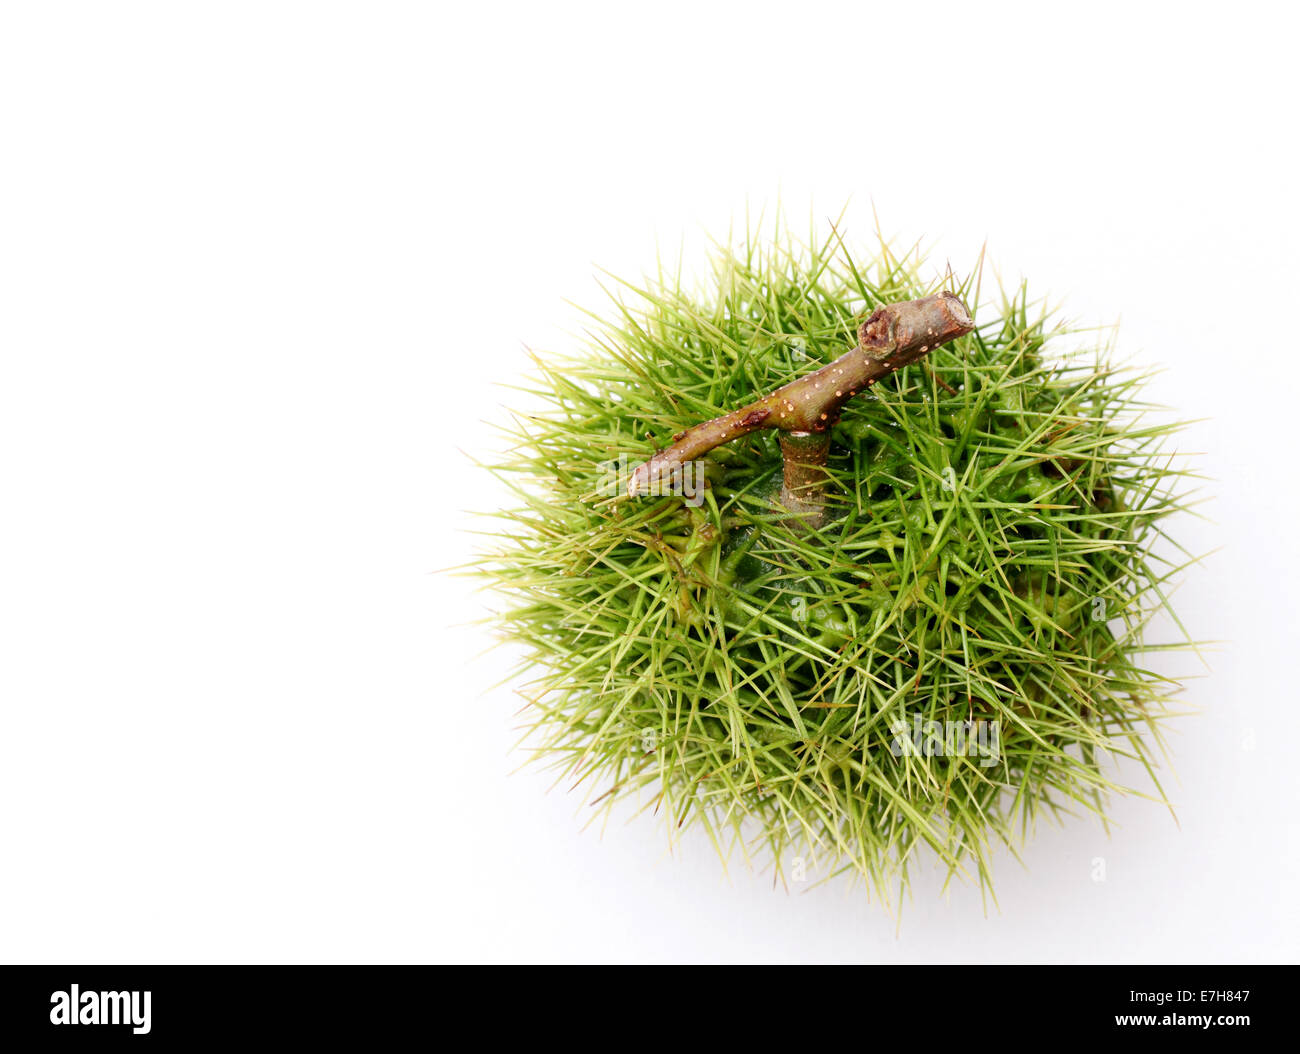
{"type": "Point", "coordinates": [894, 336]}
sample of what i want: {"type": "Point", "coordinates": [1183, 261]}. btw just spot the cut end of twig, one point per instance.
{"type": "Point", "coordinates": [912, 328]}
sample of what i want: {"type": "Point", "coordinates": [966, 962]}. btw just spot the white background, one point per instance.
{"type": "Point", "coordinates": [262, 267]}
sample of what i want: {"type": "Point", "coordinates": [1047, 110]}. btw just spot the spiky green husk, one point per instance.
{"type": "Point", "coordinates": [991, 555]}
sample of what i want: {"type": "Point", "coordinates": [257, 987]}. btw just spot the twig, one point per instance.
{"type": "Point", "coordinates": [894, 336]}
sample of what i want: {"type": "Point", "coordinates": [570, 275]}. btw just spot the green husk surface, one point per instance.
{"type": "Point", "coordinates": [992, 552]}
